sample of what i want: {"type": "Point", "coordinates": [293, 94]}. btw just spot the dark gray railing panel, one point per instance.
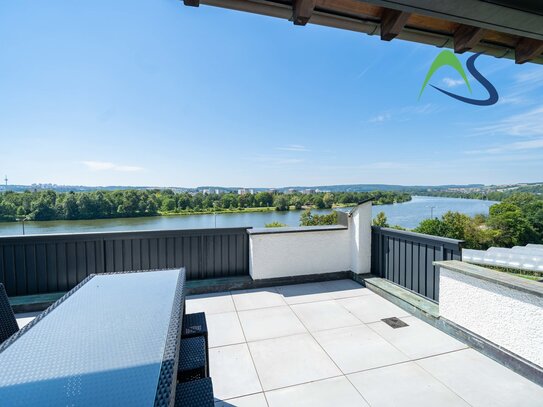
{"type": "Point", "coordinates": [35, 264]}
{"type": "Point", "coordinates": [42, 264]}
{"type": "Point", "coordinates": [205, 253]}
{"type": "Point", "coordinates": [406, 258]}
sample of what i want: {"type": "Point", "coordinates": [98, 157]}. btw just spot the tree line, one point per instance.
{"type": "Point", "coordinates": [516, 220]}
{"type": "Point", "coordinates": [489, 194]}
{"type": "Point", "coordinates": [51, 205]}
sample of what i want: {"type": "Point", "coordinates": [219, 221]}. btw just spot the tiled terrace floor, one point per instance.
{"type": "Point", "coordinates": [324, 344]}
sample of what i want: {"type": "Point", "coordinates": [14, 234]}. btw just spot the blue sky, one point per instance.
{"type": "Point", "coordinates": [150, 92]}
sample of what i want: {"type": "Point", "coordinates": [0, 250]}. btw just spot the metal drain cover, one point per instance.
{"type": "Point", "coordinates": [394, 322]}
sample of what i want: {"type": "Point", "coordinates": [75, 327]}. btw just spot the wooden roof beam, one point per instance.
{"type": "Point", "coordinates": [527, 49]}
{"type": "Point", "coordinates": [302, 11]}
{"type": "Point", "coordinates": [466, 37]}
{"type": "Point", "coordinates": [392, 23]}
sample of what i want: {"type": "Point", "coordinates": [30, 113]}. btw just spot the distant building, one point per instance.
{"type": "Point", "coordinates": [308, 191]}
{"type": "Point", "coordinates": [242, 191]}
{"type": "Point", "coordinates": [291, 191]}
{"type": "Point", "coordinates": [272, 191]}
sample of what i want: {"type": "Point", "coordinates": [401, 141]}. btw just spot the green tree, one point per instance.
{"type": "Point", "coordinates": [275, 225]}
{"type": "Point", "coordinates": [168, 205]}
{"type": "Point", "coordinates": [281, 202]}
{"type": "Point", "coordinates": [42, 209]}
{"type": "Point", "coordinates": [319, 202]}
{"type": "Point", "coordinates": [432, 227]}
{"type": "Point", "coordinates": [296, 201]}
{"type": "Point", "coordinates": [328, 200]}
{"type": "Point", "coordinates": [380, 220]}
{"type": "Point", "coordinates": [263, 199]}
{"type": "Point", "coordinates": [512, 225]}
{"type": "Point", "coordinates": [308, 219]}
{"type": "Point", "coordinates": [229, 201]}
{"type": "Point", "coordinates": [70, 208]}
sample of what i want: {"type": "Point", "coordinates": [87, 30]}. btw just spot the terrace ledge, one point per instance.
{"type": "Point", "coordinates": [497, 277]}
{"type": "Point", "coordinates": [295, 229]}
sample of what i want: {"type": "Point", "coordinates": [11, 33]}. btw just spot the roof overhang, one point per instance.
{"type": "Point", "coordinates": [502, 28]}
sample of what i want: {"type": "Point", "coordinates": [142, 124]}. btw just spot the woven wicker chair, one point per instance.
{"type": "Point", "coordinates": [198, 393]}
{"type": "Point", "coordinates": [8, 323]}
{"type": "Point", "coordinates": [195, 325]}
{"type": "Point", "coordinates": [192, 359]}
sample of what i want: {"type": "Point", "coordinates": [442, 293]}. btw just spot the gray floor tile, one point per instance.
{"type": "Point", "coordinates": [405, 384]}
{"type": "Point", "coordinates": [224, 329]}
{"type": "Point", "coordinates": [291, 360]}
{"type": "Point", "coordinates": [481, 381]}
{"type": "Point", "coordinates": [233, 372]}
{"type": "Point", "coordinates": [254, 400]}
{"type": "Point", "coordinates": [317, 316]}
{"type": "Point", "coordinates": [345, 289]}
{"type": "Point", "coordinates": [25, 318]}
{"type": "Point", "coordinates": [300, 293]}
{"type": "Point", "coordinates": [358, 348]}
{"type": "Point", "coordinates": [265, 323]}
{"type": "Point", "coordinates": [215, 303]}
{"type": "Point", "coordinates": [337, 391]}
{"type": "Point", "coordinates": [257, 298]}
{"type": "Point", "coordinates": [372, 308]}
{"type": "Point", "coordinates": [419, 339]}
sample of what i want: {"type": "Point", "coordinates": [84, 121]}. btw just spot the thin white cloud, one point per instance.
{"type": "Point", "coordinates": [527, 124]}
{"type": "Point", "coordinates": [452, 83]}
{"type": "Point", "coordinates": [363, 72]}
{"type": "Point", "coordinates": [108, 166]}
{"type": "Point", "coordinates": [274, 161]}
{"type": "Point", "coordinates": [512, 100]}
{"type": "Point", "coordinates": [405, 113]}
{"type": "Point", "coordinates": [534, 76]}
{"type": "Point", "coordinates": [512, 147]}
{"type": "Point", "coordinates": [525, 84]}
{"type": "Point", "coordinates": [287, 161]}
{"type": "Point", "coordinates": [293, 147]}
{"type": "Point", "coordinates": [420, 109]}
{"type": "Point", "coordinates": [380, 118]}
{"type": "Point", "coordinates": [384, 165]}
{"type": "Point", "coordinates": [379, 165]}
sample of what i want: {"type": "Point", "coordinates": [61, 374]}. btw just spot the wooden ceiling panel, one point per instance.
{"type": "Point", "coordinates": [350, 7]}
{"type": "Point", "coordinates": [432, 24]}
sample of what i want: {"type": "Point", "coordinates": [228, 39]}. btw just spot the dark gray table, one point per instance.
{"type": "Point", "coordinates": [111, 341]}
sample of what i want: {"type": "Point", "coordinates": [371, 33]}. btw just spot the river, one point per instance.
{"type": "Point", "coordinates": [407, 214]}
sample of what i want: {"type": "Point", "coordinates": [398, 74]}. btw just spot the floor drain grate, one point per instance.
{"type": "Point", "coordinates": [394, 322]}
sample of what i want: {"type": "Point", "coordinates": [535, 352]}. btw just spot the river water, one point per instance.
{"type": "Point", "coordinates": [407, 214]}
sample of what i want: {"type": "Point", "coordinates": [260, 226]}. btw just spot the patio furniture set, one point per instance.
{"type": "Point", "coordinates": [115, 339]}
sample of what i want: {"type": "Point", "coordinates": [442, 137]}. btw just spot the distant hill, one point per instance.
{"type": "Point", "coordinates": [379, 187]}
{"type": "Point", "coordinates": [536, 187]}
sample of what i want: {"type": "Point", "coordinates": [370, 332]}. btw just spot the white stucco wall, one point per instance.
{"type": "Point", "coordinates": [510, 318]}
{"type": "Point", "coordinates": [281, 254]}
{"type": "Point", "coordinates": [360, 230]}
{"type": "Point", "coordinates": [294, 254]}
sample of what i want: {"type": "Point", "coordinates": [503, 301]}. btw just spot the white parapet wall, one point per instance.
{"type": "Point", "coordinates": [290, 252]}
{"type": "Point", "coordinates": [360, 229]}
{"type": "Point", "coordinates": [506, 310]}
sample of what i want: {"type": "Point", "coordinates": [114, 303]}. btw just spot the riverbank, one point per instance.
{"type": "Point", "coordinates": [209, 212]}
{"type": "Point", "coordinates": [408, 215]}
{"type": "Point", "coordinates": [216, 211]}
{"type": "Point", "coordinates": [254, 210]}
